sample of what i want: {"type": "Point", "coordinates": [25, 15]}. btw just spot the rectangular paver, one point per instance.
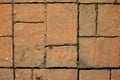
{"type": "Point", "coordinates": [6, 55]}
{"type": "Point", "coordinates": [109, 20]}
{"type": "Point", "coordinates": [99, 52]}
{"type": "Point", "coordinates": [5, 19]}
{"type": "Point", "coordinates": [61, 23]}
{"type": "Point", "coordinates": [94, 75]}
{"type": "Point", "coordinates": [87, 20]}
{"type": "Point", "coordinates": [29, 44]}
{"type": "Point", "coordinates": [65, 56]}
{"type": "Point", "coordinates": [29, 12]}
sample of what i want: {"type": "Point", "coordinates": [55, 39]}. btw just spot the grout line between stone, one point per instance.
{"type": "Point", "coordinates": [99, 68]}
{"type": "Point", "coordinates": [99, 36]}
{"type": "Point", "coordinates": [78, 27]}
{"type": "Point", "coordinates": [102, 3]}
{"type": "Point", "coordinates": [45, 54]}
{"type": "Point", "coordinates": [96, 9]}
{"type": "Point", "coordinates": [110, 74]}
{"type": "Point", "coordinates": [32, 74]}
{"type": "Point", "coordinates": [59, 45]}
{"type": "Point", "coordinates": [13, 39]}
{"type": "Point", "coordinates": [28, 22]}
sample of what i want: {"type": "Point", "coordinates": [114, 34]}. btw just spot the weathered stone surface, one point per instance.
{"type": "Point", "coordinates": [5, 19]}
{"type": "Point", "coordinates": [87, 20]}
{"type": "Point", "coordinates": [29, 12]}
{"type": "Point", "coordinates": [115, 74]}
{"type": "Point", "coordinates": [29, 45]}
{"type": "Point", "coordinates": [61, 23]}
{"type": "Point", "coordinates": [94, 75]}
{"type": "Point", "coordinates": [99, 52]}
{"type": "Point", "coordinates": [6, 74]}
{"type": "Point", "coordinates": [55, 74]}
{"type": "Point", "coordinates": [23, 74]}
{"type": "Point", "coordinates": [109, 20]}
{"type": "Point", "coordinates": [6, 52]}
{"type": "Point", "coordinates": [64, 56]}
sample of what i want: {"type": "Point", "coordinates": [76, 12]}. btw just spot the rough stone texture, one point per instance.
{"type": "Point", "coordinates": [87, 20]}
{"type": "Point", "coordinates": [61, 0]}
{"type": "Point", "coordinates": [23, 74]}
{"type": "Point", "coordinates": [115, 74]}
{"type": "Point", "coordinates": [96, 1]}
{"type": "Point", "coordinates": [29, 12]}
{"type": "Point", "coordinates": [39, 74]}
{"type": "Point", "coordinates": [29, 0]}
{"type": "Point", "coordinates": [109, 20]}
{"type": "Point", "coordinates": [6, 52]}
{"type": "Point", "coordinates": [29, 44]}
{"type": "Point", "coordinates": [5, 19]}
{"type": "Point", "coordinates": [65, 56]}
{"type": "Point", "coordinates": [99, 52]}
{"type": "Point", "coordinates": [55, 74]}
{"type": "Point", "coordinates": [59, 18]}
{"type": "Point", "coordinates": [94, 75]}
{"type": "Point", "coordinates": [6, 74]}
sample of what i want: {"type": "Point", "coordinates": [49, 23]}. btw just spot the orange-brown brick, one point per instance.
{"type": "Point", "coordinates": [29, 44]}
{"type": "Point", "coordinates": [87, 20]}
{"type": "Point", "coordinates": [23, 74]}
{"type": "Point", "coordinates": [6, 52]}
{"type": "Point", "coordinates": [6, 74]}
{"type": "Point", "coordinates": [109, 20]}
{"type": "Point", "coordinates": [5, 19]}
{"type": "Point", "coordinates": [61, 23]}
{"type": "Point", "coordinates": [64, 56]}
{"type": "Point", "coordinates": [115, 74]}
{"type": "Point", "coordinates": [29, 12]}
{"type": "Point", "coordinates": [96, 1]}
{"type": "Point", "coordinates": [61, 0]}
{"type": "Point", "coordinates": [99, 52]}
{"type": "Point", "coordinates": [55, 74]}
{"type": "Point", "coordinates": [29, 0]}
{"type": "Point", "coordinates": [94, 75]}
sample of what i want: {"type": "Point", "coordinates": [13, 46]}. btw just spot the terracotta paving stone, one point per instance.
{"type": "Point", "coordinates": [5, 19]}
{"type": "Point", "coordinates": [55, 74]}
{"type": "Point", "coordinates": [87, 20]}
{"type": "Point", "coordinates": [23, 74]}
{"type": "Point", "coordinates": [29, 44]}
{"type": "Point", "coordinates": [61, 56]}
{"type": "Point", "coordinates": [59, 18]}
{"type": "Point", "coordinates": [115, 74]}
{"type": "Point", "coordinates": [96, 1]}
{"type": "Point", "coordinates": [6, 74]}
{"type": "Point", "coordinates": [29, 12]}
{"type": "Point", "coordinates": [109, 20]}
{"type": "Point", "coordinates": [6, 52]}
{"type": "Point", "coordinates": [94, 75]}
{"type": "Point", "coordinates": [93, 54]}
{"type": "Point", "coordinates": [59, 40]}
